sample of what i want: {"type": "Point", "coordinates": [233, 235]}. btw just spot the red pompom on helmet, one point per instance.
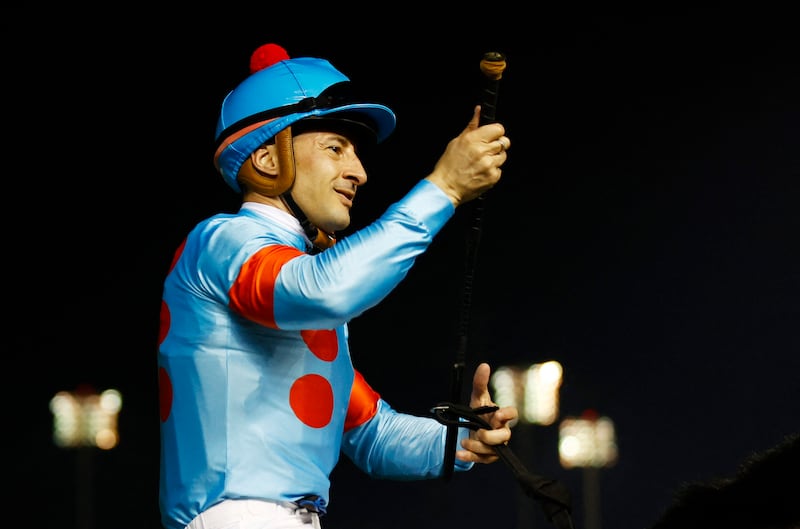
{"type": "Point", "coordinates": [267, 55]}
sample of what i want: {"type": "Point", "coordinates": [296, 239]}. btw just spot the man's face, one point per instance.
{"type": "Point", "coordinates": [328, 172]}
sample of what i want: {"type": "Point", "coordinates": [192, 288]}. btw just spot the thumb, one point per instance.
{"type": "Point", "coordinates": [480, 386]}
{"type": "Point", "coordinates": [476, 118]}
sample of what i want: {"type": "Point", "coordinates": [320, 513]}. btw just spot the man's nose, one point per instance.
{"type": "Point", "coordinates": [356, 172]}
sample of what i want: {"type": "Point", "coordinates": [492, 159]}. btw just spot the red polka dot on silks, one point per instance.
{"type": "Point", "coordinates": [311, 399]}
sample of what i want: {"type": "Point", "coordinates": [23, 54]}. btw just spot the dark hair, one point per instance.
{"type": "Point", "coordinates": [762, 494]}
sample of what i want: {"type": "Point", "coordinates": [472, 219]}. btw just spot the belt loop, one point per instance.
{"type": "Point", "coordinates": [312, 503]}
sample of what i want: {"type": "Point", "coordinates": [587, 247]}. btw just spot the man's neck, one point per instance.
{"type": "Point", "coordinates": [276, 202]}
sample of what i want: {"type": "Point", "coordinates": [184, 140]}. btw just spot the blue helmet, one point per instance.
{"type": "Point", "coordinates": [280, 94]}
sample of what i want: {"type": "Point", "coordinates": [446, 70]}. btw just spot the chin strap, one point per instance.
{"type": "Point", "coordinates": [551, 494]}
{"type": "Point", "coordinates": [320, 240]}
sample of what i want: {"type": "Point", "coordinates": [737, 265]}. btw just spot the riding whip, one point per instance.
{"type": "Point", "coordinates": [492, 65]}
{"type": "Point", "coordinates": [553, 496]}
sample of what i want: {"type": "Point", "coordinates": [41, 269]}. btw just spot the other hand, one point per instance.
{"type": "Point", "coordinates": [479, 447]}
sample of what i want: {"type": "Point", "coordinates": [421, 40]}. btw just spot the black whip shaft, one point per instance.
{"type": "Point", "coordinates": [492, 65]}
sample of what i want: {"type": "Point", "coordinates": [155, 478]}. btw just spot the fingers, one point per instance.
{"type": "Point", "coordinates": [475, 457]}
{"type": "Point", "coordinates": [504, 142]}
{"type": "Point", "coordinates": [499, 146]}
{"type": "Point", "coordinates": [506, 416]}
{"type": "Point", "coordinates": [471, 163]}
{"type": "Point", "coordinates": [481, 448]}
{"type": "Point", "coordinates": [493, 437]}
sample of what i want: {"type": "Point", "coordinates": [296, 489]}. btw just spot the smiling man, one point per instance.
{"type": "Point", "coordinates": [258, 393]}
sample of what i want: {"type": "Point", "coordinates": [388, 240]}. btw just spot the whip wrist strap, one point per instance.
{"type": "Point", "coordinates": [553, 496]}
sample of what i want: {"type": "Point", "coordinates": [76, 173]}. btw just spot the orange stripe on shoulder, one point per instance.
{"type": "Point", "coordinates": [363, 403]}
{"type": "Point", "coordinates": [252, 294]}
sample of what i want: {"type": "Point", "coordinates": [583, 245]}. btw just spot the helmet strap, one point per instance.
{"type": "Point", "coordinates": [286, 172]}
{"type": "Point", "coordinates": [280, 186]}
{"type": "Point", "coordinates": [320, 240]}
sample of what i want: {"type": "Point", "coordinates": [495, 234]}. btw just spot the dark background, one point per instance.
{"type": "Point", "coordinates": [645, 235]}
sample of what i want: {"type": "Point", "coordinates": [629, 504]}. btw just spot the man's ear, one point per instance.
{"type": "Point", "coordinates": [269, 170]}
{"type": "Point", "coordinates": [265, 160]}
{"type": "Point", "coordinates": [259, 172]}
